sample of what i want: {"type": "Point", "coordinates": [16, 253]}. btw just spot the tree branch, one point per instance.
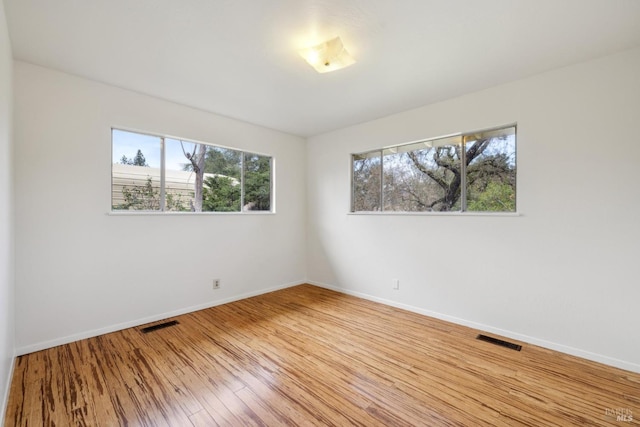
{"type": "Point", "coordinates": [476, 149]}
{"type": "Point", "coordinates": [441, 182]}
{"type": "Point", "coordinates": [191, 157]}
{"type": "Point", "coordinates": [437, 157]}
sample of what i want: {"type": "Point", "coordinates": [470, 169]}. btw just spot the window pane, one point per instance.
{"type": "Point", "coordinates": [135, 171]}
{"type": "Point", "coordinates": [425, 179]}
{"type": "Point", "coordinates": [491, 171]}
{"type": "Point", "coordinates": [257, 182]}
{"type": "Point", "coordinates": [222, 188]}
{"type": "Point", "coordinates": [405, 188]}
{"type": "Point", "coordinates": [428, 175]}
{"type": "Point", "coordinates": [366, 182]}
{"type": "Point", "coordinates": [180, 178]}
{"type": "Point", "coordinates": [167, 174]}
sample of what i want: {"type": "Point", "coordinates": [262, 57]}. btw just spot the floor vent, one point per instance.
{"type": "Point", "coordinates": [159, 326]}
{"type": "Point", "coordinates": [502, 343]}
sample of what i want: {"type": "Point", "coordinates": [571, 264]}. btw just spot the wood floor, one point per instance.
{"type": "Point", "coordinates": [308, 356]}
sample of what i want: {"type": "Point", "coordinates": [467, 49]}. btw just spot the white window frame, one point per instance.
{"type": "Point", "coordinates": [463, 172]}
{"type": "Point", "coordinates": [162, 195]}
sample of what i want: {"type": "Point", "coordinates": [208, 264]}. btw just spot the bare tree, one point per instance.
{"type": "Point", "coordinates": [447, 173]}
{"type": "Point", "coordinates": [197, 162]}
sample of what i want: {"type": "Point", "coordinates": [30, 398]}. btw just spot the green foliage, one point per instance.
{"type": "Point", "coordinates": [430, 178]}
{"type": "Point", "coordinates": [175, 203]}
{"type": "Point", "coordinates": [496, 197]}
{"type": "Point", "coordinates": [257, 182]}
{"type": "Point", "coordinates": [221, 194]}
{"type": "Point", "coordinates": [146, 198]}
{"type": "Point", "coordinates": [223, 161]}
{"type": "Point", "coordinates": [220, 161]}
{"type": "Point", "coordinates": [140, 197]}
{"type": "Point", "coordinates": [138, 160]}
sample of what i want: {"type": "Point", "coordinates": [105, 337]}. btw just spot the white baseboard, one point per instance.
{"type": "Point", "coordinates": [622, 364]}
{"type": "Point", "coordinates": [120, 326]}
{"type": "Point", "coordinates": [610, 361]}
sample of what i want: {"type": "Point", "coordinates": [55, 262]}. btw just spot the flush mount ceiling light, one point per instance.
{"type": "Point", "coordinates": [328, 56]}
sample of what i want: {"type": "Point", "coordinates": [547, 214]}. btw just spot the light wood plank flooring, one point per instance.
{"type": "Point", "coordinates": [312, 357]}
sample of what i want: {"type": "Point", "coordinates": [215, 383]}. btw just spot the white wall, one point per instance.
{"type": "Point", "coordinates": [80, 271]}
{"type": "Point", "coordinates": [6, 218]}
{"type": "Point", "coordinates": [564, 273]}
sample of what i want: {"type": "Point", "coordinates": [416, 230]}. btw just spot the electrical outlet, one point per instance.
{"type": "Point", "coordinates": [216, 283]}
{"type": "Point", "coordinates": [396, 284]}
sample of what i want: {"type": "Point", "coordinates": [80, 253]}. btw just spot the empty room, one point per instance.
{"type": "Point", "coordinates": [321, 212]}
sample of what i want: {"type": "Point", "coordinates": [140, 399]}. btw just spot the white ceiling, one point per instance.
{"type": "Point", "coordinates": [239, 58]}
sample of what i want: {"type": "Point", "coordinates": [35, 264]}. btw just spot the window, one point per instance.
{"type": "Point", "coordinates": [472, 172]}
{"type": "Point", "coordinates": [154, 173]}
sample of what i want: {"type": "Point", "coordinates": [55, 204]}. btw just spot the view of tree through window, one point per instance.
{"type": "Point", "coordinates": [193, 178]}
{"type": "Point", "coordinates": [367, 173]}
{"type": "Point", "coordinates": [469, 172]}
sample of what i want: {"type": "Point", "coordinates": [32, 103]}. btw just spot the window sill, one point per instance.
{"type": "Point", "coordinates": [150, 213]}
{"type": "Point", "coordinates": [459, 214]}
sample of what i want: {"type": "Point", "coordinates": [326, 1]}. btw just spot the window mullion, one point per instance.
{"type": "Point", "coordinates": [381, 180]}
{"type": "Point", "coordinates": [242, 164]}
{"type": "Point", "coordinates": [353, 184]}
{"type": "Point", "coordinates": [272, 193]}
{"type": "Point", "coordinates": [463, 176]}
{"type": "Point", "coordinates": [162, 175]}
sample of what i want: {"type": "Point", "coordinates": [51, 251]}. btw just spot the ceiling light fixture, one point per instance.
{"type": "Point", "coordinates": [328, 56]}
